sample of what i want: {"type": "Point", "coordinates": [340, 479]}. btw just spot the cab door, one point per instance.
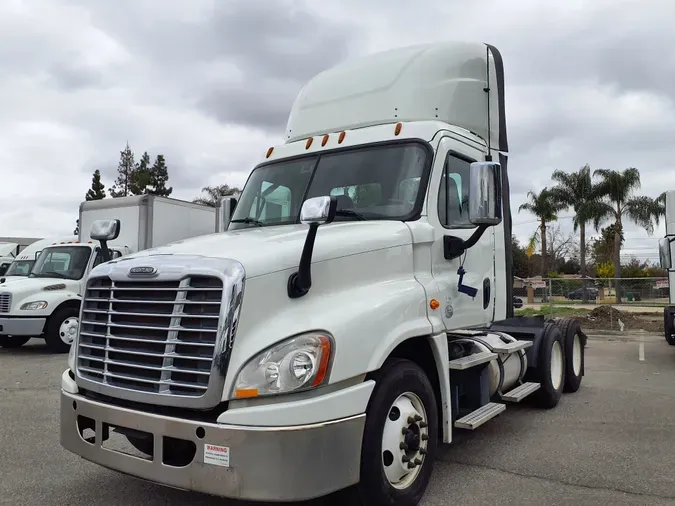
{"type": "Point", "coordinates": [447, 210]}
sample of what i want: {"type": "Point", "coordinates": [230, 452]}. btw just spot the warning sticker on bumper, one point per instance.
{"type": "Point", "coordinates": [217, 455]}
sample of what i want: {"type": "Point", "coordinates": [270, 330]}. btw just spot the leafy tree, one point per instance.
{"type": "Point", "coordinates": [576, 190]}
{"type": "Point", "coordinates": [77, 227]}
{"type": "Point", "coordinates": [521, 264]}
{"type": "Point", "coordinates": [125, 174]}
{"type": "Point", "coordinates": [602, 248]}
{"type": "Point", "coordinates": [545, 208]}
{"type": "Point", "coordinates": [140, 177]}
{"type": "Point", "coordinates": [97, 190]}
{"type": "Point", "coordinates": [617, 188]}
{"type": "Point", "coordinates": [213, 194]}
{"type": "Point", "coordinates": [159, 177]}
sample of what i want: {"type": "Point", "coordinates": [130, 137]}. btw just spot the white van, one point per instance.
{"type": "Point", "coordinates": [23, 263]}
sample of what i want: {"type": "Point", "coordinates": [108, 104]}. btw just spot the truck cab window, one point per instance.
{"type": "Point", "coordinates": [377, 182]}
{"type": "Point", "coordinates": [66, 262]}
{"type": "Point", "coordinates": [453, 193]}
{"type": "Point", "coordinates": [113, 255]}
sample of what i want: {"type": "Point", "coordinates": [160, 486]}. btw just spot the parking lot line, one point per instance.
{"type": "Point", "coordinates": [641, 350]}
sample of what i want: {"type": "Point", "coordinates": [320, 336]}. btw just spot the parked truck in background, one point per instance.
{"type": "Point", "coordinates": [356, 312]}
{"type": "Point", "coordinates": [8, 252]}
{"type": "Point", "coordinates": [665, 256]}
{"type": "Point", "coordinates": [47, 302]}
{"type": "Point", "coordinates": [23, 263]}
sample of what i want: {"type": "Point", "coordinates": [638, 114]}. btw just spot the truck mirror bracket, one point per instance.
{"type": "Point", "coordinates": [455, 247]}
{"type": "Point", "coordinates": [315, 211]}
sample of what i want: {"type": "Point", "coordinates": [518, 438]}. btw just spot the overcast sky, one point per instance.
{"type": "Point", "coordinates": [208, 83]}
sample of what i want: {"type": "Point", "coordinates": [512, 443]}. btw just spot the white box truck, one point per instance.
{"type": "Point", "coordinates": [354, 314]}
{"type": "Point", "coordinates": [47, 302]}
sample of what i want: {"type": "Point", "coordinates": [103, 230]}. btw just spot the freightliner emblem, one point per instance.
{"type": "Point", "coordinates": [142, 271]}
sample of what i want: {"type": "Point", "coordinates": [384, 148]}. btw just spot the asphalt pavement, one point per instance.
{"type": "Point", "coordinates": [612, 442]}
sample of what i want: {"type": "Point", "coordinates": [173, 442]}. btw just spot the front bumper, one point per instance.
{"type": "Point", "coordinates": [12, 326]}
{"type": "Point", "coordinates": [265, 463]}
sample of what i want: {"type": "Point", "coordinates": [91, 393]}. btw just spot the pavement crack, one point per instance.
{"type": "Point", "coordinates": [562, 482]}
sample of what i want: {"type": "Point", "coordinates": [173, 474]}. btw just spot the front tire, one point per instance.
{"type": "Point", "coordinates": [13, 341]}
{"type": "Point", "coordinates": [400, 437]}
{"type": "Point", "coordinates": [61, 329]}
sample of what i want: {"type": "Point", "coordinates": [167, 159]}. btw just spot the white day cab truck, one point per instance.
{"type": "Point", "coordinates": [47, 302]}
{"type": "Point", "coordinates": [23, 263]}
{"type": "Point", "coordinates": [666, 256]}
{"type": "Point", "coordinates": [356, 312]}
{"type": "Point", "coordinates": [8, 252]}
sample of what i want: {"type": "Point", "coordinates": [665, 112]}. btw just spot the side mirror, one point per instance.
{"type": "Point", "coordinates": [226, 207]}
{"type": "Point", "coordinates": [319, 210]}
{"type": "Point", "coordinates": [105, 230]}
{"type": "Point", "coordinates": [485, 194]}
{"type": "Point", "coordinates": [664, 253]}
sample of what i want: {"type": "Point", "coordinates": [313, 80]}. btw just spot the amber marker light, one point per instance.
{"type": "Point", "coordinates": [269, 152]}
{"type": "Point", "coordinates": [397, 128]}
{"type": "Point", "coordinates": [434, 304]}
{"type": "Point", "coordinates": [341, 137]}
{"type": "Point", "coordinates": [309, 142]}
{"type": "Point", "coordinates": [324, 141]}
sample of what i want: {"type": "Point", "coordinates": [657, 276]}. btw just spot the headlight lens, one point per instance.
{"type": "Point", "coordinates": [71, 356]}
{"type": "Point", "coordinates": [35, 305]}
{"type": "Point", "coordinates": [298, 363]}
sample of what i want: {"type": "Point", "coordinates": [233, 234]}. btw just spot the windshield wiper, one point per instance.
{"type": "Point", "coordinates": [350, 213]}
{"type": "Point", "coordinates": [251, 221]}
{"type": "Point", "coordinates": [51, 275]}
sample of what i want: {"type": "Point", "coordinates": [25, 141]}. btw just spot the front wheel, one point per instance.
{"type": "Point", "coordinates": [62, 329]}
{"type": "Point", "coordinates": [400, 437]}
{"type": "Point", "coordinates": [13, 341]}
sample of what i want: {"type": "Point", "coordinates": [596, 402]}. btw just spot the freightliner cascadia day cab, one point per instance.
{"type": "Point", "coordinates": [23, 263]}
{"type": "Point", "coordinates": [47, 302]}
{"type": "Point", "coordinates": [355, 313]}
{"type": "Point", "coordinates": [665, 256]}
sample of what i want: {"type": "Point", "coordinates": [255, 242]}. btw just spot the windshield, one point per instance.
{"type": "Point", "coordinates": [376, 182]}
{"type": "Point", "coordinates": [66, 262]}
{"type": "Point", "coordinates": [20, 268]}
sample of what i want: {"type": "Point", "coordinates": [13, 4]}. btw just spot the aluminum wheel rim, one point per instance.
{"type": "Point", "coordinates": [556, 365]}
{"type": "Point", "coordinates": [576, 355]}
{"type": "Point", "coordinates": [404, 440]}
{"type": "Point", "coordinates": [68, 330]}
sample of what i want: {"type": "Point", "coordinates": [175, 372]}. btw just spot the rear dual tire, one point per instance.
{"type": "Point", "coordinates": [550, 372]}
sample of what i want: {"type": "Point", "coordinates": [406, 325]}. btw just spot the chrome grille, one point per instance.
{"type": "Point", "coordinates": [5, 302]}
{"type": "Point", "coordinates": [156, 337]}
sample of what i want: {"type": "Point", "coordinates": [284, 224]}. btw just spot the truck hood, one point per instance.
{"type": "Point", "coordinates": [24, 285]}
{"type": "Point", "coordinates": [263, 250]}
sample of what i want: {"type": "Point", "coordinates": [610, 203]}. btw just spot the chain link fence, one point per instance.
{"type": "Point", "coordinates": [611, 304]}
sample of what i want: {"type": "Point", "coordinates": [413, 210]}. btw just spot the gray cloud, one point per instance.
{"type": "Point", "coordinates": [209, 83]}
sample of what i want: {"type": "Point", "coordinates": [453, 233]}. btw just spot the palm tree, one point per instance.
{"type": "Point", "coordinates": [576, 190]}
{"type": "Point", "coordinates": [545, 207]}
{"type": "Point", "coordinates": [617, 188]}
{"type": "Point", "coordinates": [213, 194]}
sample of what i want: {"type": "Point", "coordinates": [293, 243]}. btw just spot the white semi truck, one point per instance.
{"type": "Point", "coordinates": [23, 263]}
{"type": "Point", "coordinates": [356, 312]}
{"type": "Point", "coordinates": [47, 302]}
{"type": "Point", "coordinates": [666, 256]}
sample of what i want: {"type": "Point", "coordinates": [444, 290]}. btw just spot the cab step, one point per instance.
{"type": "Point", "coordinates": [511, 347]}
{"type": "Point", "coordinates": [483, 414]}
{"type": "Point", "coordinates": [519, 393]}
{"type": "Point", "coordinates": [459, 364]}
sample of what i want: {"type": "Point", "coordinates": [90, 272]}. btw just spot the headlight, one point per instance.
{"type": "Point", "coordinates": [298, 363]}
{"type": "Point", "coordinates": [71, 356]}
{"type": "Point", "coordinates": [34, 306]}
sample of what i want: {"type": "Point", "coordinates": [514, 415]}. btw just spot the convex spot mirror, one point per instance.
{"type": "Point", "coordinates": [664, 253]}
{"type": "Point", "coordinates": [485, 195]}
{"type": "Point", "coordinates": [105, 230]}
